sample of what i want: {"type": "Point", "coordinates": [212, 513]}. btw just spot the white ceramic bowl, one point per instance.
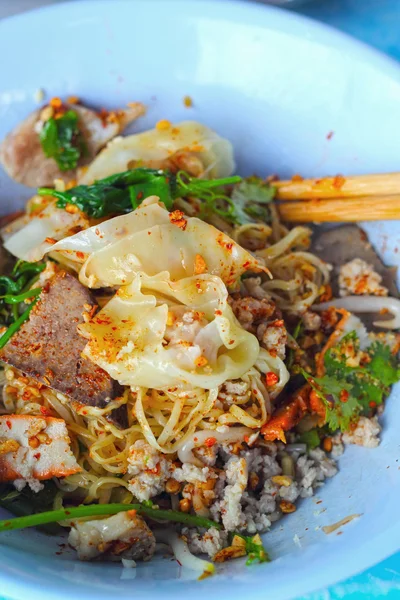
{"type": "Point", "coordinates": [275, 84]}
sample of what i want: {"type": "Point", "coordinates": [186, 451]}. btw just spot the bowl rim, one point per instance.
{"type": "Point", "coordinates": [353, 559]}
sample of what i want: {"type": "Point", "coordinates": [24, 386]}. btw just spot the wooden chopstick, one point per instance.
{"type": "Point", "coordinates": [385, 184]}
{"type": "Point", "coordinates": [362, 208]}
{"type": "Point", "coordinates": [355, 198]}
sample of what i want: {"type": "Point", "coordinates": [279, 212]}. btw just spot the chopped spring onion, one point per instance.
{"type": "Point", "coordinates": [203, 189]}
{"type": "Point", "coordinates": [98, 510]}
{"type": "Point", "coordinates": [10, 299]}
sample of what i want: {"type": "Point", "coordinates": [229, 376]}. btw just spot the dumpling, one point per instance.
{"type": "Point", "coordinates": [109, 254]}
{"type": "Point", "coordinates": [155, 148]}
{"type": "Point", "coordinates": [31, 241]}
{"type": "Point", "coordinates": [158, 333]}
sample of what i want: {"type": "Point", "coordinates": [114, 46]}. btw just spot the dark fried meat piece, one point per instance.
{"type": "Point", "coordinates": [49, 348]}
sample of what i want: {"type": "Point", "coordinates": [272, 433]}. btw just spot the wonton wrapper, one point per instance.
{"type": "Point", "coordinates": [157, 145]}
{"type": "Point", "coordinates": [109, 254]}
{"type": "Point", "coordinates": [127, 337]}
{"type": "Point", "coordinates": [29, 242]}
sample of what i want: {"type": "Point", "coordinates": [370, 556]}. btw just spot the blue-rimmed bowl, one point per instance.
{"type": "Point", "coordinates": [275, 84]}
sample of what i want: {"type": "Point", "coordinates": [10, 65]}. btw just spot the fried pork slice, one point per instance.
{"type": "Point", "coordinates": [48, 346]}
{"type": "Point", "coordinates": [34, 448]}
{"type": "Point", "coordinates": [122, 536]}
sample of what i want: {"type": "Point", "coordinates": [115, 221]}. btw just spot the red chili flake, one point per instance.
{"type": "Point", "coordinates": [139, 196]}
{"type": "Point", "coordinates": [246, 264]}
{"type": "Point", "coordinates": [231, 342]}
{"type": "Point", "coordinates": [210, 442]}
{"type": "Point", "coordinates": [271, 379]}
{"type": "Point", "coordinates": [9, 424]}
{"type": "Point", "coordinates": [67, 512]}
{"type": "Point", "coordinates": [218, 312]}
{"type": "Point", "coordinates": [372, 404]}
{"type": "Point", "coordinates": [45, 411]}
{"type": "Point", "coordinates": [37, 455]}
{"type": "Point", "coordinates": [104, 321]}
{"type": "Point", "coordinates": [344, 396]}
{"type": "Point", "coordinates": [329, 135]}
{"type": "Point", "coordinates": [103, 114]}
{"type": "Point", "coordinates": [50, 240]}
{"type": "Point", "coordinates": [80, 255]}
{"type": "Point", "coordinates": [155, 471]}
{"type": "Point", "coordinates": [297, 178]}
{"type": "Point", "coordinates": [276, 323]}
{"type": "Point", "coordinates": [246, 439]}
{"type": "Point", "coordinates": [338, 182]}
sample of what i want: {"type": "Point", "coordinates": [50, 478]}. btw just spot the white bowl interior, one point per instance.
{"type": "Point", "coordinates": [274, 84]}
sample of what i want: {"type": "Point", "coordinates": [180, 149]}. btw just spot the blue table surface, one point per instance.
{"type": "Point", "coordinates": [377, 23]}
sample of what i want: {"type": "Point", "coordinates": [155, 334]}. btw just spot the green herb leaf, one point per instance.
{"type": "Point", "coordinates": [341, 406]}
{"type": "Point", "coordinates": [62, 140]}
{"type": "Point", "coordinates": [120, 193]}
{"type": "Point", "coordinates": [14, 289]}
{"type": "Point", "coordinates": [383, 366]}
{"type": "Point", "coordinates": [123, 192]}
{"type": "Point", "coordinates": [375, 371]}
{"type": "Point", "coordinates": [354, 379]}
{"type": "Point", "coordinates": [251, 198]}
{"type": "Point", "coordinates": [98, 510]}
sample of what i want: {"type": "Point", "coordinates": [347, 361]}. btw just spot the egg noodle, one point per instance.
{"type": "Point", "coordinates": [189, 402]}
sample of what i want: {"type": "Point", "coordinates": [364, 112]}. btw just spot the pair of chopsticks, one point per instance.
{"type": "Point", "coordinates": [356, 198]}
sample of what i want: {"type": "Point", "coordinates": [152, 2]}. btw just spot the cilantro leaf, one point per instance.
{"type": "Point", "coordinates": [371, 372]}
{"type": "Point", "coordinates": [341, 405]}
{"type": "Point", "coordinates": [62, 140]}
{"type": "Point", "coordinates": [251, 198]}
{"type": "Point", "coordinates": [383, 365]}
{"type": "Point", "coordinates": [342, 413]}
{"type": "Point", "coordinates": [354, 380]}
